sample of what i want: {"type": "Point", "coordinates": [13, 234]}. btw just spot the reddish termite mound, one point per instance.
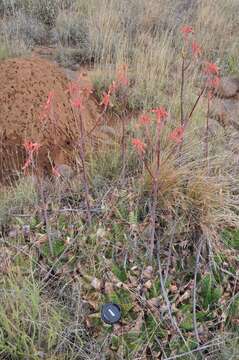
{"type": "Point", "coordinates": [25, 88]}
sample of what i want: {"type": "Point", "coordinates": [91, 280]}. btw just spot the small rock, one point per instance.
{"type": "Point", "coordinates": [96, 284]}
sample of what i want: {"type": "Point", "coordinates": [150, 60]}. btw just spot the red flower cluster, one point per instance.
{"type": "Point", "coordinates": [106, 99]}
{"type": "Point", "coordinates": [77, 103]}
{"type": "Point", "coordinates": [139, 146]}
{"type": "Point", "coordinates": [196, 49]}
{"type": "Point", "coordinates": [31, 147]}
{"type": "Point", "coordinates": [161, 114]}
{"type": "Point", "coordinates": [214, 82]}
{"type": "Point", "coordinates": [186, 30]}
{"type": "Point", "coordinates": [213, 79]}
{"type": "Point", "coordinates": [121, 80]}
{"type": "Point", "coordinates": [211, 69]}
{"type": "Point", "coordinates": [106, 95]}
{"type": "Point", "coordinates": [177, 135]}
{"type": "Point", "coordinates": [144, 119]}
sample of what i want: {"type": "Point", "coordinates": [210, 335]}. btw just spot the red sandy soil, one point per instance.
{"type": "Point", "coordinates": [25, 85]}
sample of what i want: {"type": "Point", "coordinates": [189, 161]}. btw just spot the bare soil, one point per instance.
{"type": "Point", "coordinates": [25, 85]}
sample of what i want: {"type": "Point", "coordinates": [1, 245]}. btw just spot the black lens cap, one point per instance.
{"type": "Point", "coordinates": [110, 313]}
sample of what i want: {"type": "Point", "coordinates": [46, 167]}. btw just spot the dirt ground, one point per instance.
{"type": "Point", "coordinates": [25, 86]}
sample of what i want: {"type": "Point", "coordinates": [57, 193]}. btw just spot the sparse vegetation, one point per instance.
{"type": "Point", "coordinates": [149, 221]}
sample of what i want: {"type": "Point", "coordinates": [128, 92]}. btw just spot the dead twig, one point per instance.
{"type": "Point", "coordinates": [194, 107]}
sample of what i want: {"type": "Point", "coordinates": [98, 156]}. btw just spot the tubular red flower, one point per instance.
{"type": "Point", "coordinates": [196, 49]}
{"type": "Point", "coordinates": [214, 82]}
{"type": "Point", "coordinates": [30, 148]}
{"type": "Point", "coordinates": [161, 113]}
{"type": "Point", "coordinates": [144, 119]}
{"type": "Point", "coordinates": [50, 98]}
{"type": "Point", "coordinates": [186, 30]}
{"type": "Point", "coordinates": [139, 146]}
{"type": "Point", "coordinates": [211, 69]}
{"type": "Point", "coordinates": [177, 135]}
{"type": "Point", "coordinates": [27, 164]}
{"type": "Point", "coordinates": [77, 103]}
{"type": "Point", "coordinates": [48, 105]}
{"type": "Point", "coordinates": [106, 99]}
